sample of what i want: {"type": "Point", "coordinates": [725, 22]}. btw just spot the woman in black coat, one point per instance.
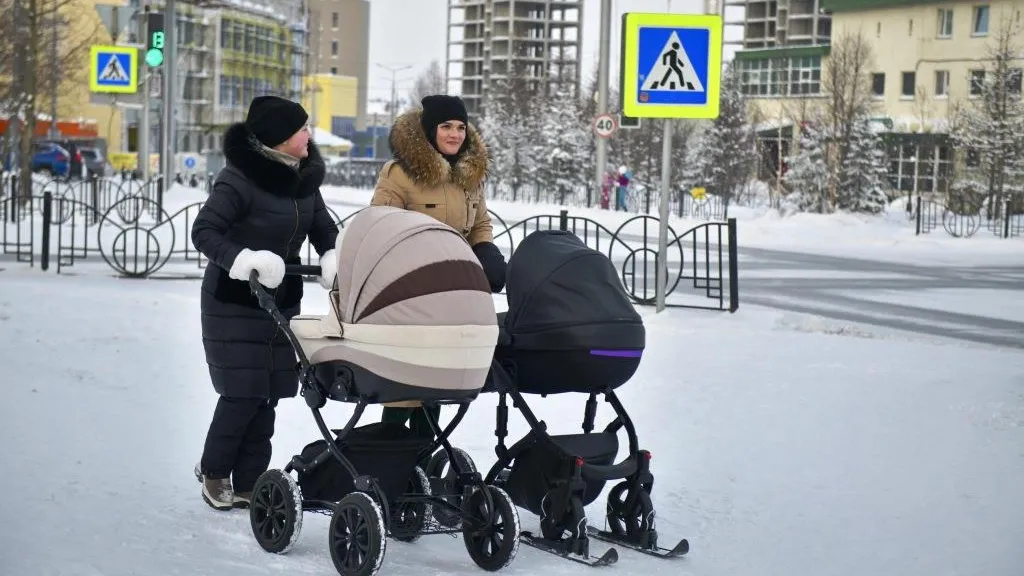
{"type": "Point", "coordinates": [263, 206]}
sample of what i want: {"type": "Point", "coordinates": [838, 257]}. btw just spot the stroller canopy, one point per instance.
{"type": "Point", "coordinates": [412, 308]}
{"type": "Point", "coordinates": [397, 267]}
{"type": "Point", "coordinates": [555, 281]}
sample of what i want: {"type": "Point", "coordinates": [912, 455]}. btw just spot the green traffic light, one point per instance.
{"type": "Point", "coordinates": [154, 57]}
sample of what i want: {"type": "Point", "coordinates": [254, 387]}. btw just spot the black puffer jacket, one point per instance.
{"type": "Point", "coordinates": [260, 204]}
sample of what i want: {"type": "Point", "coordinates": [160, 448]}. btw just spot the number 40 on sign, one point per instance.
{"type": "Point", "coordinates": [605, 125]}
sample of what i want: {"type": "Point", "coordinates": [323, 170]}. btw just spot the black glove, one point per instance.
{"type": "Point", "coordinates": [493, 263]}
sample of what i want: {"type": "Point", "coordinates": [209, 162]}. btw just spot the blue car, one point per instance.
{"type": "Point", "coordinates": [47, 158]}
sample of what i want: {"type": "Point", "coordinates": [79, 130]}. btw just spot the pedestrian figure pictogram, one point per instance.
{"type": "Point", "coordinates": [673, 71]}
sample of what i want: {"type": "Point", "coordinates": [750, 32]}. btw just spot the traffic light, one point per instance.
{"type": "Point", "coordinates": [154, 39]}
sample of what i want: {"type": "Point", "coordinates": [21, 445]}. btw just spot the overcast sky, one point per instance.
{"type": "Point", "coordinates": [412, 32]}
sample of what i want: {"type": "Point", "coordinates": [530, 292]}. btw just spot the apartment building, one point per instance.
{"type": "Point", "coordinates": [776, 23]}
{"type": "Point", "coordinates": [339, 45]}
{"type": "Point", "coordinates": [928, 58]}
{"type": "Point", "coordinates": [540, 40]}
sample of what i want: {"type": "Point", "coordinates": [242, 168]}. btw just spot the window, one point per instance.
{"type": "Point", "coordinates": [945, 23]}
{"type": "Point", "coordinates": [942, 83]}
{"type": "Point", "coordinates": [910, 28]}
{"type": "Point", "coordinates": [334, 20]}
{"type": "Point", "coordinates": [781, 76]}
{"type": "Point", "coordinates": [929, 164]}
{"type": "Point", "coordinates": [980, 21]}
{"type": "Point", "coordinates": [334, 47]}
{"type": "Point", "coordinates": [1013, 81]}
{"type": "Point", "coordinates": [977, 82]}
{"type": "Point", "coordinates": [878, 30]}
{"type": "Point", "coordinates": [907, 87]}
{"type": "Point", "coordinates": [805, 75]}
{"type": "Point", "coordinates": [878, 84]}
{"type": "Point", "coordinates": [334, 70]}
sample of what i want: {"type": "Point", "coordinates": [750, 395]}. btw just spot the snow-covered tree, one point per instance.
{"type": "Point", "coordinates": [840, 163]}
{"type": "Point", "coordinates": [510, 128]}
{"type": "Point", "coordinates": [725, 154]}
{"type": "Point", "coordinates": [990, 131]}
{"type": "Point", "coordinates": [809, 173]}
{"type": "Point", "coordinates": [431, 81]}
{"type": "Point", "coordinates": [562, 148]}
{"type": "Point", "coordinates": [864, 176]}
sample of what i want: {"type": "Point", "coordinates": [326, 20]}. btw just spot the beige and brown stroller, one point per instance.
{"type": "Point", "coordinates": [413, 320]}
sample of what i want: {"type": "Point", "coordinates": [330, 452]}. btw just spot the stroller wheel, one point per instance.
{"type": "Point", "coordinates": [409, 516]}
{"type": "Point", "coordinates": [492, 542]}
{"type": "Point", "coordinates": [275, 511]}
{"type": "Point", "coordinates": [447, 485]}
{"type": "Point", "coordinates": [357, 538]}
{"type": "Point", "coordinates": [629, 520]}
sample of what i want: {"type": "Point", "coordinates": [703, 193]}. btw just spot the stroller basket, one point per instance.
{"type": "Point", "coordinates": [387, 452]}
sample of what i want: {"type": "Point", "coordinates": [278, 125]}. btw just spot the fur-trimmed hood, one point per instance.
{"type": "Point", "coordinates": [426, 166]}
{"type": "Point", "coordinates": [246, 154]}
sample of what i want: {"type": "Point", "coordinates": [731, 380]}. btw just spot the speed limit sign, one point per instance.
{"type": "Point", "coordinates": [605, 125]}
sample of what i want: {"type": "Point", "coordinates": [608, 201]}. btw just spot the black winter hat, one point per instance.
{"type": "Point", "coordinates": [273, 119]}
{"type": "Point", "coordinates": [440, 108]}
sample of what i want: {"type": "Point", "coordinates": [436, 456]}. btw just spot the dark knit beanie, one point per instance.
{"type": "Point", "coordinates": [274, 120]}
{"type": "Point", "coordinates": [438, 109]}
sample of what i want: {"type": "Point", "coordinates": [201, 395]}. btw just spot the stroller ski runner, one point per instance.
{"type": "Point", "coordinates": [571, 328]}
{"type": "Point", "coordinates": [413, 320]}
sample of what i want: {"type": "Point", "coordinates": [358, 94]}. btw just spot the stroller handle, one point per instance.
{"type": "Point", "coordinates": [301, 270]}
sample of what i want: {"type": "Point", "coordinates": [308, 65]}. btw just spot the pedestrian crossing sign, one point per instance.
{"type": "Point", "coordinates": [113, 69]}
{"type": "Point", "coordinates": [671, 65]}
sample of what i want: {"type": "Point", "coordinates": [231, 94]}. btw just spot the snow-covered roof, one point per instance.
{"type": "Point", "coordinates": [324, 138]}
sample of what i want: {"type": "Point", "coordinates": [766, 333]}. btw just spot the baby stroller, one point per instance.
{"type": "Point", "coordinates": [571, 328]}
{"type": "Point", "coordinates": [413, 319]}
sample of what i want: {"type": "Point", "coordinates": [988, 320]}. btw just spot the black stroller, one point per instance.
{"type": "Point", "coordinates": [571, 328]}
{"type": "Point", "coordinates": [378, 346]}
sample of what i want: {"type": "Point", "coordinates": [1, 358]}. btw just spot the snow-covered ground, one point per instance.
{"type": "Point", "coordinates": [889, 237]}
{"type": "Point", "coordinates": [783, 445]}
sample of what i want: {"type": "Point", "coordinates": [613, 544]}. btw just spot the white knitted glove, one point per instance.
{"type": "Point", "coordinates": [328, 269]}
{"type": "Point", "coordinates": [269, 265]}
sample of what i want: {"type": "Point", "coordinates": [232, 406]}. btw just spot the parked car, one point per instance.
{"type": "Point", "coordinates": [46, 157]}
{"type": "Point", "coordinates": [95, 163]}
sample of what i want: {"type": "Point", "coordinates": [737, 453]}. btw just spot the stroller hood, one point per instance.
{"type": "Point", "coordinates": [397, 267]}
{"type": "Point", "coordinates": [558, 283]}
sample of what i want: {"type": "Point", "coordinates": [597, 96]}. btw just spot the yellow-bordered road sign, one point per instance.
{"type": "Point", "coordinates": [113, 69]}
{"type": "Point", "coordinates": [671, 65]}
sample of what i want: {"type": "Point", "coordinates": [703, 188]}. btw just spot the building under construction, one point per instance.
{"type": "Point", "coordinates": [537, 40]}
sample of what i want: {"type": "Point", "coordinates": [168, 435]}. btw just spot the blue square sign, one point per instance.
{"type": "Point", "coordinates": [113, 69]}
{"type": "Point", "coordinates": [671, 65]}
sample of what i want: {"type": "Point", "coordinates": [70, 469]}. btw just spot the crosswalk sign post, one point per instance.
{"type": "Point", "coordinates": [671, 68]}
{"type": "Point", "coordinates": [113, 69]}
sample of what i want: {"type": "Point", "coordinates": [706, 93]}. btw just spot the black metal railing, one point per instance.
{"type": "Point", "coordinates": [1004, 218]}
{"type": "Point", "coordinates": [136, 237]}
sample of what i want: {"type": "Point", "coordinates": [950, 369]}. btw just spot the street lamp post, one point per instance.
{"type": "Point", "coordinates": [394, 96]}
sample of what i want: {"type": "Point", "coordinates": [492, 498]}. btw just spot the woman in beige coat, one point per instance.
{"type": "Point", "coordinates": [440, 163]}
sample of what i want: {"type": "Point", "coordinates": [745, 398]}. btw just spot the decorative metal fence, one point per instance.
{"type": "Point", "coordinates": [130, 230]}
{"type": "Point", "coordinates": [1005, 219]}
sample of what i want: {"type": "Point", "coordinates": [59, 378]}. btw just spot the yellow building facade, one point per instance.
{"type": "Point", "coordinates": [927, 57]}
{"type": "Point", "coordinates": [328, 97]}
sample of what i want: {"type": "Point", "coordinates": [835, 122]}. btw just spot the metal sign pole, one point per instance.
{"type": "Point", "coordinates": [170, 78]}
{"type": "Point", "coordinates": [671, 66]}
{"type": "Point", "coordinates": [602, 87]}
{"type": "Point", "coordinates": [666, 177]}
